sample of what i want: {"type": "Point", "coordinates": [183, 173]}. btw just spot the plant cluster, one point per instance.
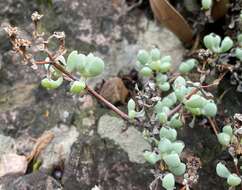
{"type": "Point", "coordinates": [85, 66]}
{"type": "Point", "coordinates": [232, 179]}
{"type": "Point", "coordinates": [77, 69]}
{"type": "Point", "coordinates": [177, 96]}
{"type": "Point", "coordinates": [170, 101]}
{"type": "Point", "coordinates": [225, 55]}
{"type": "Point", "coordinates": [230, 139]}
{"type": "Point", "coordinates": [214, 43]}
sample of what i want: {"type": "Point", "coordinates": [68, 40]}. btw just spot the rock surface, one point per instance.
{"type": "Point", "coordinates": [130, 140]}
{"type": "Point", "coordinates": [112, 33]}
{"type": "Point", "coordinates": [7, 145]}
{"type": "Point", "coordinates": [32, 181]}
{"type": "Point", "coordinates": [26, 109]}
{"type": "Point", "coordinates": [94, 161]}
{"type": "Point", "coordinates": [12, 164]}
{"type": "Point", "coordinates": [59, 149]}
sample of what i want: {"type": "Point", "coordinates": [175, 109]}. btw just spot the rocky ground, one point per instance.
{"type": "Point", "coordinates": [89, 149]}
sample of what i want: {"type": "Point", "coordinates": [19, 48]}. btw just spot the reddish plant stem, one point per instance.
{"type": "Point", "coordinates": [107, 103]}
{"type": "Point", "coordinates": [237, 169]}
{"type": "Point", "coordinates": [89, 89]}
{"type": "Point", "coordinates": [213, 125]}
{"type": "Point", "coordinates": [42, 62]}
{"type": "Point", "coordinates": [179, 106]}
{"type": "Point", "coordinates": [174, 110]}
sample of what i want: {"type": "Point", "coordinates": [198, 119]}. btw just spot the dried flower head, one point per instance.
{"type": "Point", "coordinates": [11, 31]}
{"type": "Point", "coordinates": [36, 16]}
{"type": "Point", "coordinates": [22, 43]}
{"type": "Point", "coordinates": [59, 35]}
{"type": "Point", "coordinates": [193, 164]}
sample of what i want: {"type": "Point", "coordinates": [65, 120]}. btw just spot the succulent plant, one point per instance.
{"type": "Point", "coordinates": [179, 170]}
{"type": "Point", "coordinates": [175, 121]}
{"type": "Point", "coordinates": [228, 130]}
{"type": "Point", "coordinates": [131, 104]}
{"type": "Point", "coordinates": [152, 61]}
{"type": "Point", "coordinates": [224, 139]}
{"type": "Point", "coordinates": [143, 57]}
{"type": "Point", "coordinates": [77, 87]}
{"type": "Point", "coordinates": [86, 66]}
{"type": "Point", "coordinates": [238, 53]}
{"type": "Point", "coordinates": [131, 109]}
{"type": "Point", "coordinates": [209, 109]}
{"type": "Point", "coordinates": [239, 39]}
{"type": "Point", "coordinates": [151, 157]}
{"type": "Point", "coordinates": [162, 117]}
{"type": "Point", "coordinates": [222, 170]}
{"type": "Point", "coordinates": [173, 99]}
{"type": "Point", "coordinates": [169, 133]}
{"type": "Point", "coordinates": [187, 66]}
{"type": "Point", "coordinates": [75, 62]}
{"type": "Point", "coordinates": [164, 87]}
{"type": "Point", "coordinates": [94, 66]}
{"type": "Point", "coordinates": [164, 145]}
{"type": "Point", "coordinates": [177, 147]}
{"type": "Point", "coordinates": [146, 71]}
{"type": "Point", "coordinates": [49, 83]}
{"type": "Point", "coordinates": [168, 182]}
{"type": "Point", "coordinates": [233, 180]}
{"type": "Point", "coordinates": [213, 43]}
{"type": "Point", "coordinates": [155, 54]}
{"type": "Point", "coordinates": [177, 93]}
{"type": "Point", "coordinates": [196, 101]}
{"type": "Point", "coordinates": [172, 160]}
{"type": "Point", "coordinates": [207, 4]}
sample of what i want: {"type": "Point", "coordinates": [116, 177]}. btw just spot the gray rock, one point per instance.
{"type": "Point", "coordinates": [122, 54]}
{"type": "Point", "coordinates": [12, 10]}
{"type": "Point", "coordinates": [88, 122]}
{"type": "Point", "coordinates": [31, 181]}
{"type": "Point", "coordinates": [25, 144]}
{"type": "Point", "coordinates": [59, 149]}
{"type": "Point", "coordinates": [1, 61]}
{"type": "Point", "coordinates": [165, 40]}
{"type": "Point", "coordinates": [18, 96]}
{"type": "Point", "coordinates": [113, 34]}
{"type": "Point", "coordinates": [7, 145]}
{"type": "Point", "coordinates": [89, 27]}
{"type": "Point", "coordinates": [96, 162]}
{"type": "Point", "coordinates": [5, 44]}
{"type": "Point", "coordinates": [131, 141]}
{"type": "Point", "coordinates": [13, 164]}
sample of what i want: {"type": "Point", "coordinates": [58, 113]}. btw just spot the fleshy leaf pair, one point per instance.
{"type": "Point", "coordinates": [214, 43]}
{"type": "Point", "coordinates": [131, 110]}
{"type": "Point", "coordinates": [87, 66]}
{"type": "Point", "coordinates": [232, 179]}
